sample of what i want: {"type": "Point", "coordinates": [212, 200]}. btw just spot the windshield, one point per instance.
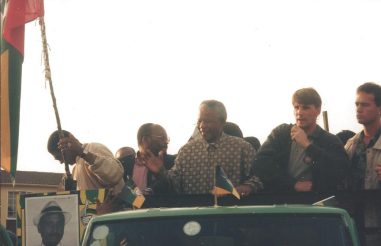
{"type": "Point", "coordinates": [221, 230]}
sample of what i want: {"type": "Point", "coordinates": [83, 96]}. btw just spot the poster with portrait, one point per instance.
{"type": "Point", "coordinates": [52, 220]}
{"type": "Point", "coordinates": [57, 218]}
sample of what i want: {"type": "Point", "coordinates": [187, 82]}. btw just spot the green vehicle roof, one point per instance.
{"type": "Point", "coordinates": [192, 211]}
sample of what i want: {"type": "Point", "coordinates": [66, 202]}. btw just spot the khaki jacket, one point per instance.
{"type": "Point", "coordinates": [373, 158]}
{"type": "Point", "coordinates": [106, 172]}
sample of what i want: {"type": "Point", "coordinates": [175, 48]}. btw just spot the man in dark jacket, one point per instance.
{"type": "Point", "coordinates": [153, 142]}
{"type": "Point", "coordinates": [302, 156]}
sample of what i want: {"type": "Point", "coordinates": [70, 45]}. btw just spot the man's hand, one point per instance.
{"type": "Point", "coordinates": [71, 144]}
{"type": "Point", "coordinates": [244, 190]}
{"type": "Point", "coordinates": [303, 186]}
{"type": "Point", "coordinates": [300, 136]}
{"type": "Point", "coordinates": [152, 162]}
{"type": "Point", "coordinates": [378, 171]}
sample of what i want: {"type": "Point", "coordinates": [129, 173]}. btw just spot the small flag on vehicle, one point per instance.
{"type": "Point", "coordinates": [132, 194]}
{"type": "Point", "coordinates": [223, 185]}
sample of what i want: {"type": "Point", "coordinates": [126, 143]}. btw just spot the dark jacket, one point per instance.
{"type": "Point", "coordinates": [329, 161]}
{"type": "Point", "coordinates": [157, 188]}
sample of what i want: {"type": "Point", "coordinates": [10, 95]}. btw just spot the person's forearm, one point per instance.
{"type": "Point", "coordinates": [108, 169]}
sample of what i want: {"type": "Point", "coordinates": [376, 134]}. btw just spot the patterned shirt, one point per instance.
{"type": "Point", "coordinates": [193, 172]}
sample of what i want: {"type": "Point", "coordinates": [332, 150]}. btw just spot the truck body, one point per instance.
{"type": "Point", "coordinates": [280, 225]}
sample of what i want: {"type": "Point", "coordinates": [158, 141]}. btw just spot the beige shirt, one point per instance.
{"type": "Point", "coordinates": [372, 212]}
{"type": "Point", "coordinates": [105, 172]}
{"type": "Point", "coordinates": [373, 158]}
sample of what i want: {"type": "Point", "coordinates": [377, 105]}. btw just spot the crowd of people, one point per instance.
{"type": "Point", "coordinates": [297, 157]}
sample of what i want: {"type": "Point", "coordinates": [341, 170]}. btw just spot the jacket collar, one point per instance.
{"type": "Point", "coordinates": [359, 136]}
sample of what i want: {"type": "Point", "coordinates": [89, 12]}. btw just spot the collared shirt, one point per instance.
{"type": "Point", "coordinates": [299, 165]}
{"type": "Point", "coordinates": [139, 175]}
{"type": "Point", "coordinates": [193, 172]}
{"type": "Point", "coordinates": [359, 170]}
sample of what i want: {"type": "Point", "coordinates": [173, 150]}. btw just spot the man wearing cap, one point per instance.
{"type": "Point", "coordinates": [95, 165]}
{"type": "Point", "coordinates": [51, 223]}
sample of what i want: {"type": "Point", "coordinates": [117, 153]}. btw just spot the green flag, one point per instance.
{"type": "Point", "coordinates": [14, 15]}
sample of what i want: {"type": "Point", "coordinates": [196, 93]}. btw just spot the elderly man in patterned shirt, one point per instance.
{"type": "Point", "coordinates": [193, 172]}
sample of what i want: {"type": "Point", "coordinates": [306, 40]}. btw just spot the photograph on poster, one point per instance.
{"type": "Point", "coordinates": [51, 220]}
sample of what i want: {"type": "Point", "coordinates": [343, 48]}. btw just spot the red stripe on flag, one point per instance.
{"type": "Point", "coordinates": [17, 13]}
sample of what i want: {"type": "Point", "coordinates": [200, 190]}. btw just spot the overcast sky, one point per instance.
{"type": "Point", "coordinates": [117, 64]}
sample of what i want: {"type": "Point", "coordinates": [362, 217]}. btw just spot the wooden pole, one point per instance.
{"type": "Point", "coordinates": [48, 77]}
{"type": "Point", "coordinates": [325, 119]}
{"type": "Point", "coordinates": [214, 184]}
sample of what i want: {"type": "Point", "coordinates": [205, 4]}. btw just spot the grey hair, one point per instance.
{"type": "Point", "coordinates": [216, 106]}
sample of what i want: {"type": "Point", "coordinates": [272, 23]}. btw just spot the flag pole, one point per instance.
{"type": "Point", "coordinates": [325, 119]}
{"type": "Point", "coordinates": [48, 77]}
{"type": "Point", "coordinates": [215, 185]}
